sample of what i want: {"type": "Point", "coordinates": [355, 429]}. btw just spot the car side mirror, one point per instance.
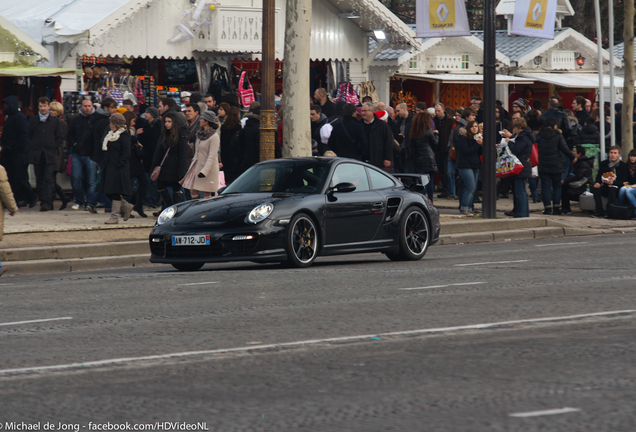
{"type": "Point", "coordinates": [220, 191]}
{"type": "Point", "coordinates": [340, 187]}
{"type": "Point", "coordinates": [343, 187]}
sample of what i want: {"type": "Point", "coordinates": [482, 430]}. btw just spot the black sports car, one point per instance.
{"type": "Point", "coordinates": [294, 210]}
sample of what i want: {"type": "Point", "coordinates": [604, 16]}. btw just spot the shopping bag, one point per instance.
{"type": "Point", "coordinates": [508, 164]}
{"type": "Point", "coordinates": [534, 156]}
{"type": "Point", "coordinates": [246, 93]}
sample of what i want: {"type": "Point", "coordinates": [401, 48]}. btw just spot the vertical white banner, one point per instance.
{"type": "Point", "coordinates": [534, 18]}
{"type": "Point", "coordinates": [441, 18]}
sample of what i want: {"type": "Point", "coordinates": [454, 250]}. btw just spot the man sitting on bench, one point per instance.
{"type": "Point", "coordinates": [612, 173]}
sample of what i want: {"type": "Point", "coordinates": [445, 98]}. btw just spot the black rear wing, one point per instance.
{"type": "Point", "coordinates": [413, 182]}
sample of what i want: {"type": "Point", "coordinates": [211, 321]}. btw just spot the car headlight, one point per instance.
{"type": "Point", "coordinates": [260, 213]}
{"type": "Point", "coordinates": [166, 215]}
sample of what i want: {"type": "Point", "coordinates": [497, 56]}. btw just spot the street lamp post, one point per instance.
{"type": "Point", "coordinates": [268, 113]}
{"type": "Point", "coordinates": [489, 209]}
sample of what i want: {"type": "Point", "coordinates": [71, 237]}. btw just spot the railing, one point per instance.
{"type": "Point", "coordinates": [450, 62]}
{"type": "Point", "coordinates": [232, 29]}
{"type": "Point", "coordinates": [562, 60]}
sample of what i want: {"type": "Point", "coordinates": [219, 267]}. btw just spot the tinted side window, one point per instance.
{"type": "Point", "coordinates": [351, 173]}
{"type": "Point", "coordinates": [379, 180]}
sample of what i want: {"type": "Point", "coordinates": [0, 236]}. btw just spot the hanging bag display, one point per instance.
{"type": "Point", "coordinates": [246, 93]}
{"type": "Point", "coordinates": [367, 88]}
{"type": "Point", "coordinates": [508, 164]}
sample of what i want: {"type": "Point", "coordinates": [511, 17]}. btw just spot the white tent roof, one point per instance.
{"type": "Point", "coordinates": [23, 37]}
{"type": "Point", "coordinates": [64, 17]}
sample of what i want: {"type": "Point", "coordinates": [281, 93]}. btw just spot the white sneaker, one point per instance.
{"type": "Point", "coordinates": [76, 207]}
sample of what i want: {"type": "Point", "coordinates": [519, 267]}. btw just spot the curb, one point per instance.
{"type": "Point", "coordinates": [520, 234]}
{"type": "Point", "coordinates": [43, 266]}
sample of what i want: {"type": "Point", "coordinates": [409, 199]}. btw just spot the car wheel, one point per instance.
{"type": "Point", "coordinates": [414, 235]}
{"type": "Point", "coordinates": [188, 266]}
{"type": "Point", "coordinates": [302, 241]}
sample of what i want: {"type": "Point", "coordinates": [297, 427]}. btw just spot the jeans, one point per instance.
{"type": "Point", "coordinates": [44, 179]}
{"type": "Point", "coordinates": [469, 178]}
{"type": "Point", "coordinates": [630, 194]}
{"type": "Point", "coordinates": [84, 172]}
{"type": "Point", "coordinates": [152, 194]}
{"type": "Point", "coordinates": [441, 159]}
{"type": "Point", "coordinates": [551, 189]}
{"type": "Point", "coordinates": [567, 166]}
{"type": "Point", "coordinates": [611, 192]}
{"type": "Point", "coordinates": [430, 187]}
{"type": "Point", "coordinates": [532, 183]}
{"type": "Point", "coordinates": [521, 198]}
{"type": "Point", "coordinates": [452, 167]}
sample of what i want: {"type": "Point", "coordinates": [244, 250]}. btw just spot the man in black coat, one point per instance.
{"type": "Point", "coordinates": [380, 139]}
{"type": "Point", "coordinates": [318, 120]}
{"type": "Point", "coordinates": [404, 119]}
{"type": "Point", "coordinates": [45, 139]}
{"type": "Point", "coordinates": [327, 107]}
{"type": "Point", "coordinates": [347, 137]}
{"type": "Point", "coordinates": [563, 122]}
{"type": "Point", "coordinates": [578, 108]}
{"type": "Point", "coordinates": [84, 169]}
{"type": "Point", "coordinates": [605, 187]}
{"type": "Point", "coordinates": [575, 184]}
{"type": "Point", "coordinates": [167, 105]}
{"type": "Point", "coordinates": [444, 129]}
{"type": "Point", "coordinates": [15, 151]}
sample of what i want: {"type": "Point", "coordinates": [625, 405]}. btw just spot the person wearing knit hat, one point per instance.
{"type": "Point", "coordinates": [203, 173]}
{"type": "Point", "coordinates": [210, 117]}
{"type": "Point", "coordinates": [154, 112]}
{"type": "Point", "coordinates": [118, 120]}
{"type": "Point", "coordinates": [519, 105]}
{"type": "Point", "coordinates": [115, 168]}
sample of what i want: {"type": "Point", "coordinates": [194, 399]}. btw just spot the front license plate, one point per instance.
{"type": "Point", "coordinates": [197, 240]}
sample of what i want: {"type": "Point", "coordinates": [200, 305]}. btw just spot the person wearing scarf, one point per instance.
{"type": "Point", "coordinates": [203, 174]}
{"type": "Point", "coordinates": [607, 185]}
{"type": "Point", "coordinates": [115, 167]}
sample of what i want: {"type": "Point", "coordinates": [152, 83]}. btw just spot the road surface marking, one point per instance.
{"type": "Point", "coordinates": [6, 284]}
{"type": "Point", "coordinates": [35, 321]}
{"type": "Point", "coordinates": [442, 286]}
{"type": "Point", "coordinates": [304, 343]}
{"type": "Point", "coordinates": [545, 412]}
{"type": "Point", "coordinates": [199, 283]}
{"type": "Point", "coordinates": [493, 262]}
{"type": "Point", "coordinates": [560, 244]}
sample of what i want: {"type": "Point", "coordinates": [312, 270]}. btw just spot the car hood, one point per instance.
{"type": "Point", "coordinates": [225, 208]}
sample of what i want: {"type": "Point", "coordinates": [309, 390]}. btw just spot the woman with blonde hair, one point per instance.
{"type": "Point", "coordinates": [203, 174]}
{"type": "Point", "coordinates": [57, 110]}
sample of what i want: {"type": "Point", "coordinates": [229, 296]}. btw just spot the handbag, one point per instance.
{"type": "Point", "coordinates": [534, 156]}
{"type": "Point", "coordinates": [155, 172]}
{"type": "Point", "coordinates": [69, 165]}
{"type": "Point", "coordinates": [246, 94]}
{"type": "Point", "coordinates": [621, 212]}
{"type": "Point", "coordinates": [508, 165]}
{"type": "Point", "coordinates": [452, 154]}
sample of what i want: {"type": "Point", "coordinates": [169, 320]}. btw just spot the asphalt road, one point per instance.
{"type": "Point", "coordinates": [515, 336]}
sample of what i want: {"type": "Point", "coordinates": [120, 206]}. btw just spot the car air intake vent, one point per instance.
{"type": "Point", "coordinates": [392, 207]}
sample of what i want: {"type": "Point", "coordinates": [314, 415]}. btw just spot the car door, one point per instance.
{"type": "Point", "coordinates": [353, 217]}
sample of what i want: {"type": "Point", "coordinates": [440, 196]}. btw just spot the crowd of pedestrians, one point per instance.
{"type": "Point", "coordinates": [123, 160]}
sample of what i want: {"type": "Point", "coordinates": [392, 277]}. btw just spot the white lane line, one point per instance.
{"type": "Point", "coordinates": [35, 321]}
{"type": "Point", "coordinates": [305, 343]}
{"type": "Point", "coordinates": [493, 262]}
{"type": "Point", "coordinates": [560, 244]}
{"type": "Point", "coordinates": [6, 284]}
{"type": "Point", "coordinates": [545, 412]}
{"type": "Point", "coordinates": [198, 283]}
{"type": "Point", "coordinates": [442, 286]}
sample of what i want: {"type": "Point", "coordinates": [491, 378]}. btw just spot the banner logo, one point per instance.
{"type": "Point", "coordinates": [442, 14]}
{"type": "Point", "coordinates": [536, 14]}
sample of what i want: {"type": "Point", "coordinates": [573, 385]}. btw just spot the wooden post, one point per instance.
{"type": "Point", "coordinates": [628, 84]}
{"type": "Point", "coordinates": [268, 66]}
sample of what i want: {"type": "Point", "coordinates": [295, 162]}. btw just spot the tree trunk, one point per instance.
{"type": "Point", "coordinates": [628, 86]}
{"type": "Point", "coordinates": [296, 127]}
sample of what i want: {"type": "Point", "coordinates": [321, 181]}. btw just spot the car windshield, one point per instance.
{"type": "Point", "coordinates": [289, 176]}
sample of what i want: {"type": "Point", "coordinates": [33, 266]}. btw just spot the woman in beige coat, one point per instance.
{"type": "Point", "coordinates": [203, 174]}
{"type": "Point", "coordinates": [6, 196]}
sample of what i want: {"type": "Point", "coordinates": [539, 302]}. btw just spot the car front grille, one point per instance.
{"type": "Point", "coordinates": [215, 249]}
